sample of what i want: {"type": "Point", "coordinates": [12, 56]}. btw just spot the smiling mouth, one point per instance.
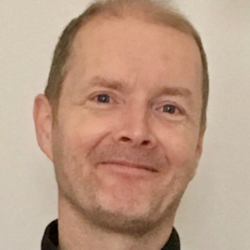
{"type": "Point", "coordinates": [130, 166]}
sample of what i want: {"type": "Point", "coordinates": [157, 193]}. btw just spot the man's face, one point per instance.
{"type": "Point", "coordinates": [127, 137]}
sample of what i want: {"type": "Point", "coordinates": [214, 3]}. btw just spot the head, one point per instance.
{"type": "Point", "coordinates": [124, 113]}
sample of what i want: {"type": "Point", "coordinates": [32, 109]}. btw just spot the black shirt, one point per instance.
{"type": "Point", "coordinates": [50, 238]}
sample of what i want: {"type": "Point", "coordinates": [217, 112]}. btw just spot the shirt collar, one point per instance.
{"type": "Point", "coordinates": [50, 238]}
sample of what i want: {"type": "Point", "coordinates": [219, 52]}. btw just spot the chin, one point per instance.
{"type": "Point", "coordinates": [123, 222]}
{"type": "Point", "coordinates": [134, 218]}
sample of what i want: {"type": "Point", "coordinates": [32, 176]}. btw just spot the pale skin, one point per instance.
{"type": "Point", "coordinates": [127, 139]}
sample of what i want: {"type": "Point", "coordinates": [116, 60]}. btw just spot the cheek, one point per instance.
{"type": "Point", "coordinates": [183, 162]}
{"type": "Point", "coordinates": [85, 132]}
{"type": "Point", "coordinates": [180, 147]}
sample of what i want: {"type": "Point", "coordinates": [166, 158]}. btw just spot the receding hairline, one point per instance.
{"type": "Point", "coordinates": [136, 14]}
{"type": "Point", "coordinates": [146, 11]}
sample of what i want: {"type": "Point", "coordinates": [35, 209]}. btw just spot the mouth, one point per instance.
{"type": "Point", "coordinates": [125, 165]}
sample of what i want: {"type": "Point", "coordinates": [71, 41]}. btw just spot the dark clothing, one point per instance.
{"type": "Point", "coordinates": [50, 238]}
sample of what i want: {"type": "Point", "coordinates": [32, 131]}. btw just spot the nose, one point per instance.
{"type": "Point", "coordinates": [135, 129]}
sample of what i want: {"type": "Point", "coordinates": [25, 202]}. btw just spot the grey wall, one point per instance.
{"type": "Point", "coordinates": [215, 211]}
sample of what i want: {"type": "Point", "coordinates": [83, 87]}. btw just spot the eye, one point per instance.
{"type": "Point", "coordinates": [103, 98]}
{"type": "Point", "coordinates": [169, 108]}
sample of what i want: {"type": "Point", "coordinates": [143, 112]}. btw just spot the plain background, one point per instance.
{"type": "Point", "coordinates": [214, 213]}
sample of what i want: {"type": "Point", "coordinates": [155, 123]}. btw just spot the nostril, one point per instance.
{"type": "Point", "coordinates": [125, 139]}
{"type": "Point", "coordinates": [145, 143]}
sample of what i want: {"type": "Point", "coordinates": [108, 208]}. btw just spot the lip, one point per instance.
{"type": "Point", "coordinates": [129, 165]}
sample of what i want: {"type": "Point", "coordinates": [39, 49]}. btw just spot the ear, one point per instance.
{"type": "Point", "coordinates": [42, 115]}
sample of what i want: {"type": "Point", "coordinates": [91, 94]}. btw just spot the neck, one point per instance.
{"type": "Point", "coordinates": [77, 233]}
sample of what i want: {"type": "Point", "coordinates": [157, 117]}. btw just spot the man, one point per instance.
{"type": "Point", "coordinates": [123, 119]}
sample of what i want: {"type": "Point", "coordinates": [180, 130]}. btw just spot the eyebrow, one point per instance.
{"type": "Point", "coordinates": [173, 91]}
{"type": "Point", "coordinates": [119, 86]}
{"type": "Point", "coordinates": [112, 84]}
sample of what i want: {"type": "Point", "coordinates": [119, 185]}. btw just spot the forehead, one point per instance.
{"type": "Point", "coordinates": [134, 49]}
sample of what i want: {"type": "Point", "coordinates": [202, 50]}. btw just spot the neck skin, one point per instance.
{"type": "Point", "coordinates": [76, 233]}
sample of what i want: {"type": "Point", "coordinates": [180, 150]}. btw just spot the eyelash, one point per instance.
{"type": "Point", "coordinates": [171, 106]}
{"type": "Point", "coordinates": [99, 97]}
{"type": "Point", "coordinates": [107, 98]}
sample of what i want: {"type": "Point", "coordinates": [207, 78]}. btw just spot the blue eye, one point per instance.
{"type": "Point", "coordinates": [168, 108]}
{"type": "Point", "coordinates": [103, 98]}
